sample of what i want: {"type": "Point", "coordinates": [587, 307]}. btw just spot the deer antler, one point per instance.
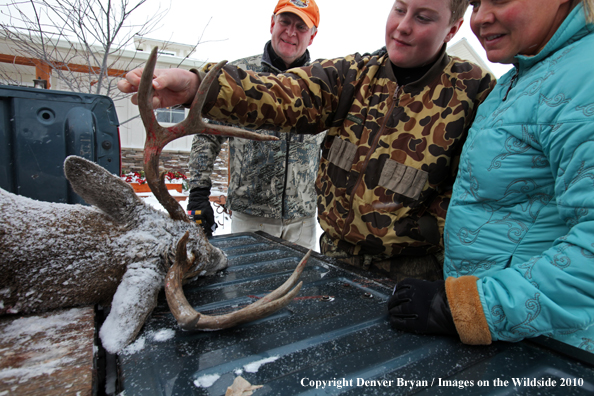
{"type": "Point", "coordinates": [190, 319]}
{"type": "Point", "coordinates": [157, 136]}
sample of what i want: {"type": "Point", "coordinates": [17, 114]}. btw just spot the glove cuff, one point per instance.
{"type": "Point", "coordinates": [467, 310]}
{"type": "Point", "coordinates": [199, 193]}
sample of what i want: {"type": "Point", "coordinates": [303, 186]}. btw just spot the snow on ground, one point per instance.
{"type": "Point", "coordinates": [222, 219]}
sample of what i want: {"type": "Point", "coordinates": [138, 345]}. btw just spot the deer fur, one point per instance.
{"type": "Point", "coordinates": [116, 252]}
{"type": "Point", "coordinates": [120, 251]}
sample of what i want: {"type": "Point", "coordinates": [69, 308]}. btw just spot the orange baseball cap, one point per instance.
{"type": "Point", "coordinates": [305, 9]}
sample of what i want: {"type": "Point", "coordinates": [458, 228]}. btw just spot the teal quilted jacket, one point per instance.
{"type": "Point", "coordinates": [519, 234]}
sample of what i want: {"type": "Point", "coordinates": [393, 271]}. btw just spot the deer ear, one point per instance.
{"type": "Point", "coordinates": [100, 188]}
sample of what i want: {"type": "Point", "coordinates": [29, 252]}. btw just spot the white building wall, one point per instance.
{"type": "Point", "coordinates": [132, 134]}
{"type": "Point", "coordinates": [464, 50]}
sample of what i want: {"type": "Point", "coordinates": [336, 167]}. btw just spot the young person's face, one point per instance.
{"type": "Point", "coordinates": [290, 36]}
{"type": "Point", "coordinates": [506, 28]}
{"type": "Point", "coordinates": [417, 29]}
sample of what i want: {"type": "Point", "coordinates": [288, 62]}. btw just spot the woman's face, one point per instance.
{"type": "Point", "coordinates": [417, 29]}
{"type": "Point", "coordinates": [506, 28]}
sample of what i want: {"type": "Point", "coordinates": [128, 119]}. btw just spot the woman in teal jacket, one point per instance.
{"type": "Point", "coordinates": [519, 234]}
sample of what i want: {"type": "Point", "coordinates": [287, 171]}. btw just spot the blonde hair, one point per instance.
{"type": "Point", "coordinates": [458, 8]}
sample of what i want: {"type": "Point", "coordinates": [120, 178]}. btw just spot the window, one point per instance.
{"type": "Point", "coordinates": [171, 115]}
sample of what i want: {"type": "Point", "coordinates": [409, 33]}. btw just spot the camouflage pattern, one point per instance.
{"type": "Point", "coordinates": [267, 179]}
{"type": "Point", "coordinates": [390, 156]}
{"type": "Point", "coordinates": [428, 267]}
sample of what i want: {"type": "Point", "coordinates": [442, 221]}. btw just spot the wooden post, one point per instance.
{"type": "Point", "coordinates": [43, 72]}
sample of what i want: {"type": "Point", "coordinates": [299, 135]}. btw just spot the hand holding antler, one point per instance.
{"type": "Point", "coordinates": [157, 136]}
{"type": "Point", "coordinates": [171, 86]}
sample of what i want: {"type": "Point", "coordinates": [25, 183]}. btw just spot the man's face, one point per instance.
{"type": "Point", "coordinates": [508, 28]}
{"type": "Point", "coordinates": [417, 29]}
{"type": "Point", "coordinates": [290, 36]}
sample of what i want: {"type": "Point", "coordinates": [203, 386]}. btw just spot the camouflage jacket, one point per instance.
{"type": "Point", "coordinates": [391, 152]}
{"type": "Point", "coordinates": [267, 179]}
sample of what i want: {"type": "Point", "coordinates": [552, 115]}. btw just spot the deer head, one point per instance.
{"type": "Point", "coordinates": [120, 251]}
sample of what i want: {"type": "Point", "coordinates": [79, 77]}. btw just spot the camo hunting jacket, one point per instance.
{"type": "Point", "coordinates": [267, 179]}
{"type": "Point", "coordinates": [390, 156]}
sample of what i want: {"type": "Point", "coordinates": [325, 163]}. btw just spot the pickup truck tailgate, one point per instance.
{"type": "Point", "coordinates": [39, 128]}
{"type": "Point", "coordinates": [335, 331]}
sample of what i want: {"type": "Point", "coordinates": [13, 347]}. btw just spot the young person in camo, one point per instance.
{"type": "Point", "coordinates": [519, 235]}
{"type": "Point", "coordinates": [396, 121]}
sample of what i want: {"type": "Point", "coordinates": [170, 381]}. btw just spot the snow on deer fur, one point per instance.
{"type": "Point", "coordinates": [57, 256]}
{"type": "Point", "coordinates": [116, 252]}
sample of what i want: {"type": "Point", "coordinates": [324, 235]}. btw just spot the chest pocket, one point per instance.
{"type": "Point", "coordinates": [403, 179]}
{"type": "Point", "coordinates": [342, 153]}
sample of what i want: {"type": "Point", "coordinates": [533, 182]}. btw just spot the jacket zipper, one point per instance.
{"type": "Point", "coordinates": [351, 215]}
{"type": "Point", "coordinates": [511, 84]}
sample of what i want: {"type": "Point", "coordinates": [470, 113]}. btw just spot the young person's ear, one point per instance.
{"type": "Point", "coordinates": [453, 30]}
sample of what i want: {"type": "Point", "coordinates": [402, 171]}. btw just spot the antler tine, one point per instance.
{"type": "Point", "coordinates": [157, 136]}
{"type": "Point", "coordinates": [190, 319]}
{"type": "Point", "coordinates": [194, 119]}
{"type": "Point", "coordinates": [193, 123]}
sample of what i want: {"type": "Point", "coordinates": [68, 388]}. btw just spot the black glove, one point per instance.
{"type": "Point", "coordinates": [420, 306]}
{"type": "Point", "coordinates": [200, 210]}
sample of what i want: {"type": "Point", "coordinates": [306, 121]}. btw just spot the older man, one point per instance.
{"type": "Point", "coordinates": [272, 184]}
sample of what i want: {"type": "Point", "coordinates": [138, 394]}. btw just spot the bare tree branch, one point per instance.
{"type": "Point", "coordinates": [95, 33]}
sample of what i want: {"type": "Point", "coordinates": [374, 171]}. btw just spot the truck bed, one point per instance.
{"type": "Point", "coordinates": [334, 338]}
